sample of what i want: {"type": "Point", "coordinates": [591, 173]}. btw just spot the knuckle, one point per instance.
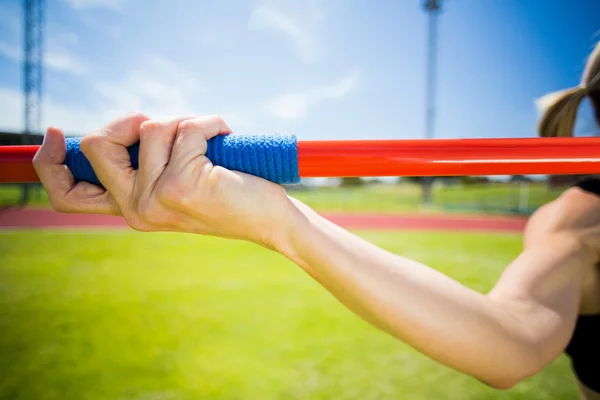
{"type": "Point", "coordinates": [218, 119]}
{"type": "Point", "coordinates": [173, 193]}
{"type": "Point", "coordinates": [137, 118]}
{"type": "Point", "coordinates": [155, 130]}
{"type": "Point", "coordinates": [188, 126]}
{"type": "Point", "coordinates": [150, 212]}
{"type": "Point", "coordinates": [92, 143]}
{"type": "Point", "coordinates": [149, 128]}
{"type": "Point", "coordinates": [136, 223]}
{"type": "Point", "coordinates": [139, 226]}
{"type": "Point", "coordinates": [162, 192]}
{"type": "Point", "coordinates": [58, 204]}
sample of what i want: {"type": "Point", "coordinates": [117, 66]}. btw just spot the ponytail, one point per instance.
{"type": "Point", "coordinates": [560, 108]}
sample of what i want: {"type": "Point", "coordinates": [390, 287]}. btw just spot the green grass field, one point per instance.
{"type": "Point", "coordinates": [491, 198]}
{"type": "Point", "coordinates": [394, 198]}
{"type": "Point", "coordinates": [101, 315]}
{"type": "Point", "coordinates": [10, 194]}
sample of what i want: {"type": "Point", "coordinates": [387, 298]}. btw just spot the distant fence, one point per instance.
{"type": "Point", "coordinates": [16, 195]}
{"type": "Point", "coordinates": [499, 198]}
{"type": "Point", "coordinates": [521, 198]}
{"type": "Point", "coordinates": [491, 197]}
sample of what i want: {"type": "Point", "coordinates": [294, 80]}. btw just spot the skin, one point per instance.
{"type": "Point", "coordinates": [500, 338]}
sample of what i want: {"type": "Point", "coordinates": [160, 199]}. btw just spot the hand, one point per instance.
{"type": "Point", "coordinates": [175, 188]}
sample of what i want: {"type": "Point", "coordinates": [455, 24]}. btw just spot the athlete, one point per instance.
{"type": "Point", "coordinates": [545, 303]}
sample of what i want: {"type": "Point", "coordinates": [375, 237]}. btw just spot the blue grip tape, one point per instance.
{"type": "Point", "coordinates": [274, 158]}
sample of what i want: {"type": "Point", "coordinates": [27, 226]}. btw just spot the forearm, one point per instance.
{"type": "Point", "coordinates": [436, 315]}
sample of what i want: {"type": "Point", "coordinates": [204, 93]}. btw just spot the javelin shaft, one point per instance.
{"type": "Point", "coordinates": [449, 157]}
{"type": "Point", "coordinates": [373, 158]}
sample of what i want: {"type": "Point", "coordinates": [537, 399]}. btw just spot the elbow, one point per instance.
{"type": "Point", "coordinates": [505, 383]}
{"type": "Point", "coordinates": [508, 378]}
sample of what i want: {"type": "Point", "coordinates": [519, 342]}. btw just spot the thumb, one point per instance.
{"type": "Point", "coordinates": [53, 149]}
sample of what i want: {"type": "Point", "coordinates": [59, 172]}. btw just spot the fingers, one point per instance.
{"type": "Point", "coordinates": [156, 142]}
{"type": "Point", "coordinates": [175, 143]}
{"type": "Point", "coordinates": [107, 152]}
{"type": "Point", "coordinates": [64, 194]}
{"type": "Point", "coordinates": [125, 130]}
{"type": "Point", "coordinates": [192, 137]}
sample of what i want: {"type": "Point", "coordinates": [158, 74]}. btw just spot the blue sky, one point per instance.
{"type": "Point", "coordinates": [320, 69]}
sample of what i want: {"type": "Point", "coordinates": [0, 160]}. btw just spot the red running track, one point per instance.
{"type": "Point", "coordinates": [45, 218]}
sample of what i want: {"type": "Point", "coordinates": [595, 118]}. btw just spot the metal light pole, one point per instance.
{"type": "Point", "coordinates": [33, 13]}
{"type": "Point", "coordinates": [433, 8]}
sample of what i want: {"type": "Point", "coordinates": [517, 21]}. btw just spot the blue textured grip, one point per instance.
{"type": "Point", "coordinates": [274, 158]}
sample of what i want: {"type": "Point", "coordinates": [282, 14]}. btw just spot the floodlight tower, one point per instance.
{"type": "Point", "coordinates": [33, 64]}
{"type": "Point", "coordinates": [33, 16]}
{"type": "Point", "coordinates": [433, 9]}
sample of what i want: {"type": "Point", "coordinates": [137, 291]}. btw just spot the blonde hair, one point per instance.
{"type": "Point", "coordinates": [560, 108]}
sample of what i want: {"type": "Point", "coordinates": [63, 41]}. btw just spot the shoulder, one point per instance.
{"type": "Point", "coordinates": [575, 212]}
{"type": "Point", "coordinates": [581, 198]}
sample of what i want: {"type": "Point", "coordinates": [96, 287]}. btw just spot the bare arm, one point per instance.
{"type": "Point", "coordinates": [499, 338]}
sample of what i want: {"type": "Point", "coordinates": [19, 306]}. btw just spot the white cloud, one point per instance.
{"type": "Point", "coordinates": [64, 61]}
{"type": "Point", "coordinates": [11, 16]}
{"type": "Point", "coordinates": [213, 37]}
{"type": "Point", "coordinates": [297, 104]}
{"type": "Point", "coordinates": [78, 120]}
{"type": "Point", "coordinates": [11, 109]}
{"type": "Point", "coordinates": [93, 22]}
{"type": "Point", "coordinates": [11, 51]}
{"type": "Point", "coordinates": [70, 38]}
{"type": "Point", "coordinates": [55, 57]}
{"type": "Point", "coordinates": [72, 119]}
{"type": "Point", "coordinates": [139, 92]}
{"type": "Point", "coordinates": [160, 88]}
{"type": "Point", "coordinates": [115, 5]}
{"type": "Point", "coordinates": [58, 60]}
{"type": "Point", "coordinates": [301, 24]}
{"type": "Point", "coordinates": [171, 71]}
{"type": "Point", "coordinates": [266, 18]}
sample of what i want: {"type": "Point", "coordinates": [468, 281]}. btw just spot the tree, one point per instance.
{"type": "Point", "coordinates": [352, 182]}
